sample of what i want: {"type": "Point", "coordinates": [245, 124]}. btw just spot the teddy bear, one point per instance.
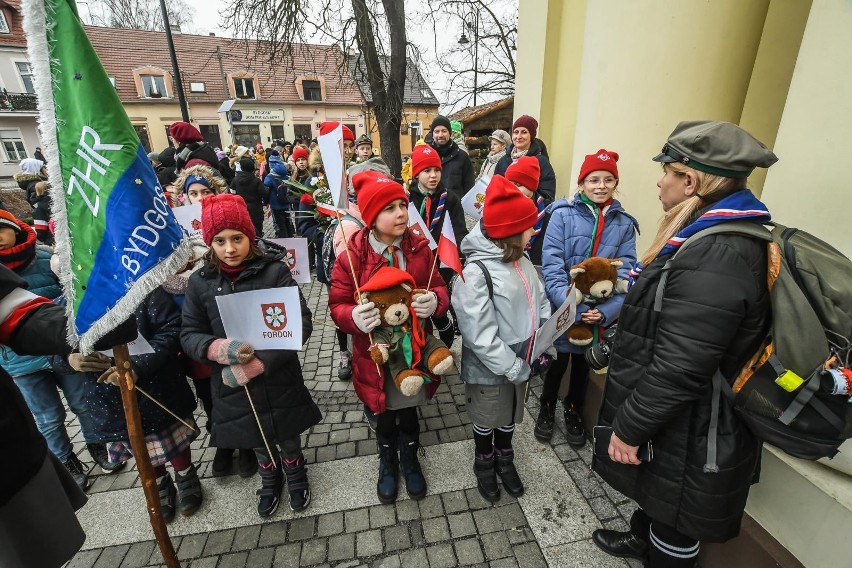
{"type": "Point", "coordinates": [596, 280]}
{"type": "Point", "coordinates": [400, 340]}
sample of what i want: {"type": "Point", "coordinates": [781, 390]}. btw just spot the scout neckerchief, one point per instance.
{"type": "Point", "coordinates": [539, 203]}
{"type": "Point", "coordinates": [426, 206]}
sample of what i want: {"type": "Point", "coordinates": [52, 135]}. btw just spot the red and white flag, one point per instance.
{"type": "Point", "coordinates": [447, 250]}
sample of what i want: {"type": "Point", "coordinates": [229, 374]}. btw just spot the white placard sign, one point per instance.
{"type": "Point", "coordinates": [265, 319]}
{"type": "Point", "coordinates": [331, 150]}
{"type": "Point", "coordinates": [418, 226]}
{"type": "Point", "coordinates": [474, 200]}
{"type": "Point", "coordinates": [556, 325]}
{"type": "Point", "coordinates": [138, 346]}
{"type": "Point", "coordinates": [296, 258]}
{"type": "Point", "coordinates": [189, 217]}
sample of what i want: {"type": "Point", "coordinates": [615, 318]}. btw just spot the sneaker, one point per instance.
{"type": "Point", "coordinates": [189, 495]}
{"type": "Point", "coordinates": [168, 495]}
{"type": "Point", "coordinates": [78, 471]}
{"type": "Point", "coordinates": [269, 494]}
{"type": "Point", "coordinates": [344, 367]}
{"type": "Point", "coordinates": [223, 461]}
{"type": "Point", "coordinates": [101, 457]}
{"type": "Point", "coordinates": [297, 484]}
{"type": "Point", "coordinates": [247, 463]}
{"type": "Point", "coordinates": [371, 418]}
{"type": "Point", "coordinates": [544, 424]}
{"type": "Point", "coordinates": [575, 432]}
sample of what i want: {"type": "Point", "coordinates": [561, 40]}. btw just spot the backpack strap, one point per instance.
{"type": "Point", "coordinates": [488, 282]}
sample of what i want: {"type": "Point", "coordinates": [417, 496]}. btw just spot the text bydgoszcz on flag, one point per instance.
{"type": "Point", "coordinates": [265, 319]}
{"type": "Point", "coordinates": [448, 250]}
{"type": "Point", "coordinates": [117, 238]}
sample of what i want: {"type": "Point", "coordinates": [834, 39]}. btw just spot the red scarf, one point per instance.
{"type": "Point", "coordinates": [19, 257]}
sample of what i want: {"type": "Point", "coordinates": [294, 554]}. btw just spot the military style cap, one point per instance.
{"type": "Point", "coordinates": [364, 139]}
{"type": "Point", "coordinates": [716, 147]}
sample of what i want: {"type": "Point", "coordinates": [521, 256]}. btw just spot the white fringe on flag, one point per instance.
{"type": "Point", "coordinates": [35, 26]}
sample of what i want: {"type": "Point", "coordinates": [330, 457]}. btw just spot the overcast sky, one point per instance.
{"type": "Point", "coordinates": [206, 19]}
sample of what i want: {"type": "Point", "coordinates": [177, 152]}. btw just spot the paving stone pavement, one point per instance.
{"type": "Point", "coordinates": [453, 526]}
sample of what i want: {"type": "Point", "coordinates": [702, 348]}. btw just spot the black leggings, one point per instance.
{"type": "Point", "coordinates": [290, 448]}
{"type": "Point", "coordinates": [578, 380]}
{"type": "Point", "coordinates": [404, 419]}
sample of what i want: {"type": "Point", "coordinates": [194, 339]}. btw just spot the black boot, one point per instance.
{"type": "Point", "coordinates": [188, 491]}
{"type": "Point", "coordinates": [78, 471]}
{"type": "Point", "coordinates": [223, 461]}
{"type": "Point", "coordinates": [544, 425]}
{"type": "Point", "coordinates": [505, 468]}
{"type": "Point", "coordinates": [101, 457]}
{"type": "Point", "coordinates": [415, 483]}
{"type": "Point", "coordinates": [575, 432]}
{"type": "Point", "coordinates": [269, 494]}
{"type": "Point", "coordinates": [297, 484]}
{"type": "Point", "coordinates": [621, 544]}
{"type": "Point", "coordinates": [486, 477]}
{"type": "Point", "coordinates": [247, 463]}
{"type": "Point", "coordinates": [387, 488]}
{"type": "Point", "coordinates": [168, 493]}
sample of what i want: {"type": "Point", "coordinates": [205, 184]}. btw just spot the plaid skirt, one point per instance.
{"type": "Point", "coordinates": [162, 446]}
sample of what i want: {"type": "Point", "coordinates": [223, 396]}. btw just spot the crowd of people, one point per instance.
{"type": "Point", "coordinates": [517, 270]}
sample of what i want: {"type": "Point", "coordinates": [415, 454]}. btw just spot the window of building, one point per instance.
{"type": "Point", "coordinates": [247, 134]}
{"type": "Point", "coordinates": [142, 133]}
{"type": "Point", "coordinates": [13, 145]}
{"type": "Point", "coordinates": [25, 70]}
{"type": "Point", "coordinates": [277, 131]}
{"type": "Point", "coordinates": [4, 25]}
{"type": "Point", "coordinates": [197, 88]}
{"type": "Point", "coordinates": [154, 86]}
{"type": "Point", "coordinates": [312, 90]}
{"type": "Point", "coordinates": [169, 136]}
{"type": "Point", "coordinates": [210, 133]}
{"type": "Point", "coordinates": [303, 132]}
{"type": "Point", "coordinates": [244, 87]}
{"type": "Point", "coordinates": [426, 93]}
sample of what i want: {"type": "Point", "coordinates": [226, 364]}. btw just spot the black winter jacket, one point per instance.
{"type": "Point", "coordinates": [715, 312]}
{"type": "Point", "coordinates": [160, 373]}
{"type": "Point", "coordinates": [452, 209]}
{"type": "Point", "coordinates": [196, 151]}
{"type": "Point", "coordinates": [283, 403]}
{"type": "Point", "coordinates": [254, 193]}
{"type": "Point", "coordinates": [547, 177]}
{"type": "Point", "coordinates": [41, 220]}
{"type": "Point", "coordinates": [457, 173]}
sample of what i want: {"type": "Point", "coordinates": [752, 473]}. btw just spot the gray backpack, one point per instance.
{"type": "Point", "coordinates": [784, 392]}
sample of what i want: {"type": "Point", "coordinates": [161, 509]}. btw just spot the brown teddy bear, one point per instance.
{"type": "Point", "coordinates": [400, 340]}
{"type": "Point", "coordinates": [596, 280]}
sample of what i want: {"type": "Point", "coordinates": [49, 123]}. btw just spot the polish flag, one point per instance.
{"type": "Point", "coordinates": [328, 210]}
{"type": "Point", "coordinates": [448, 251]}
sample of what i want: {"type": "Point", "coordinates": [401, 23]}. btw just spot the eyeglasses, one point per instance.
{"type": "Point", "coordinates": [594, 182]}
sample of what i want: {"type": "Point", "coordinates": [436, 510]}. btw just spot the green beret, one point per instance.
{"type": "Point", "coordinates": [716, 147]}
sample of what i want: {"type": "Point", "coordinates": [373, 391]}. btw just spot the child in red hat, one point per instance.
{"type": "Point", "coordinates": [273, 378]}
{"type": "Point", "coordinates": [386, 240]}
{"type": "Point", "coordinates": [525, 174]}
{"type": "Point", "coordinates": [591, 223]}
{"type": "Point", "coordinates": [436, 205]}
{"type": "Point", "coordinates": [500, 303]}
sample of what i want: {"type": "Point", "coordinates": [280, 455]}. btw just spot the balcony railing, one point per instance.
{"type": "Point", "coordinates": [18, 101]}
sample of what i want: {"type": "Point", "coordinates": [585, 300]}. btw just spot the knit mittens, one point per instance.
{"type": "Point", "coordinates": [230, 352]}
{"type": "Point", "coordinates": [238, 375]}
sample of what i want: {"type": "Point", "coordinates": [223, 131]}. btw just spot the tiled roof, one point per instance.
{"type": "Point", "coordinates": [14, 17]}
{"type": "Point", "coordinates": [417, 91]}
{"type": "Point", "coordinates": [472, 113]}
{"type": "Point", "coordinates": [123, 50]}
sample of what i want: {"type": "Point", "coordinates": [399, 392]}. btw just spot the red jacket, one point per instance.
{"type": "Point", "coordinates": [368, 381]}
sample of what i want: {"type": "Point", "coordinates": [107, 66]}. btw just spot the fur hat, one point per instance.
{"type": "Point", "coordinates": [375, 191]}
{"type": "Point", "coordinates": [507, 211]}
{"type": "Point", "coordinates": [223, 212]}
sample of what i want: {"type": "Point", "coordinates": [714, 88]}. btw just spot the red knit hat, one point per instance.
{"type": "Point", "coordinates": [526, 171]}
{"type": "Point", "coordinates": [184, 132]}
{"type": "Point", "coordinates": [222, 212]}
{"type": "Point", "coordinates": [507, 211]}
{"type": "Point", "coordinates": [600, 160]}
{"type": "Point", "coordinates": [327, 127]}
{"type": "Point", "coordinates": [388, 277]}
{"type": "Point", "coordinates": [375, 193]}
{"type": "Point", "coordinates": [422, 157]}
{"type": "Point", "coordinates": [528, 122]}
{"type": "Point", "coordinates": [300, 152]}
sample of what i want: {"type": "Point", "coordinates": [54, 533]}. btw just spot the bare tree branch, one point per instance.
{"type": "Point", "coordinates": [139, 14]}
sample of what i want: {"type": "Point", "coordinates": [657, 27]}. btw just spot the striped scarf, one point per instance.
{"type": "Point", "coordinates": [438, 211]}
{"type": "Point", "coordinates": [539, 203]}
{"type": "Point", "coordinates": [19, 257]}
{"type": "Point", "coordinates": [739, 206]}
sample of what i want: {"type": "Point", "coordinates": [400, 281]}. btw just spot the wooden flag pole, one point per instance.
{"type": "Point", "coordinates": [140, 452]}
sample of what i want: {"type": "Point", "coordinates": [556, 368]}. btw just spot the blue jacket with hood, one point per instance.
{"type": "Point", "coordinates": [272, 181]}
{"type": "Point", "coordinates": [566, 243]}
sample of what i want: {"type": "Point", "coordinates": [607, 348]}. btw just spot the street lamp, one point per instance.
{"type": "Point", "coordinates": [463, 40]}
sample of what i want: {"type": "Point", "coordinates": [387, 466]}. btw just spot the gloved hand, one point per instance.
{"type": "Point", "coordinates": [541, 365]}
{"type": "Point", "coordinates": [112, 376]}
{"type": "Point", "coordinates": [230, 352]}
{"type": "Point", "coordinates": [94, 363]}
{"type": "Point", "coordinates": [519, 373]}
{"type": "Point", "coordinates": [366, 317]}
{"type": "Point", "coordinates": [425, 304]}
{"type": "Point", "coordinates": [238, 375]}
